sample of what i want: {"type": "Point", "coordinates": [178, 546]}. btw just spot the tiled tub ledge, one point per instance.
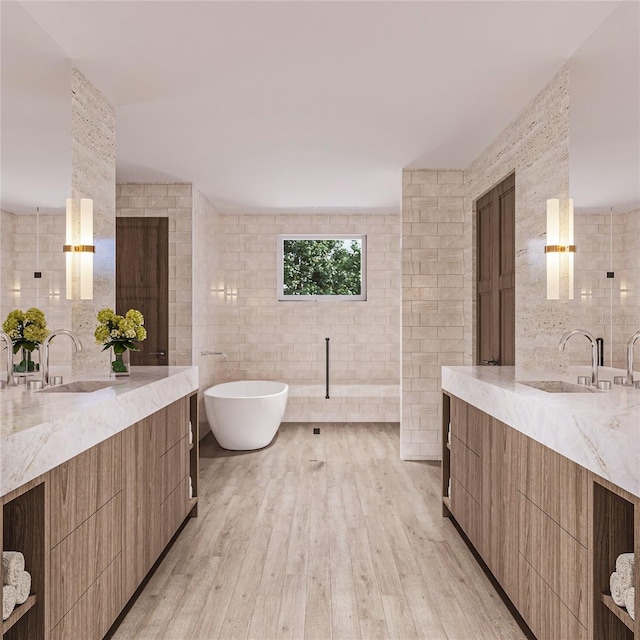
{"type": "Point", "coordinates": [599, 431]}
{"type": "Point", "coordinates": [347, 403]}
{"type": "Point", "coordinates": [40, 431]}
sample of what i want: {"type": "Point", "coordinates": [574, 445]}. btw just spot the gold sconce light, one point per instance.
{"type": "Point", "coordinates": [79, 248]}
{"type": "Point", "coordinates": [559, 255]}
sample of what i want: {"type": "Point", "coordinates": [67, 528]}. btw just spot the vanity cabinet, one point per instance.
{"type": "Point", "coordinates": [548, 529]}
{"type": "Point", "coordinates": [93, 527]}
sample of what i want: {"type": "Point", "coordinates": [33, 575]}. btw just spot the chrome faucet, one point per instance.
{"type": "Point", "coordinates": [45, 350]}
{"type": "Point", "coordinates": [594, 350]}
{"type": "Point", "coordinates": [630, 344]}
{"type": "Point", "coordinates": [5, 336]}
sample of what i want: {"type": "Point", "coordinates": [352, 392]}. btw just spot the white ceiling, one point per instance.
{"type": "Point", "coordinates": [311, 105]}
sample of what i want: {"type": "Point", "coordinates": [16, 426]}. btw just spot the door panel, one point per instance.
{"type": "Point", "coordinates": [142, 282]}
{"type": "Point", "coordinates": [495, 248]}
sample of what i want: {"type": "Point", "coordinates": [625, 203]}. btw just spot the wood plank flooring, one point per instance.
{"type": "Point", "coordinates": [321, 537]}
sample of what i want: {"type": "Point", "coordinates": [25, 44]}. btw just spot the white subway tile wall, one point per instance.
{"type": "Point", "coordinates": [608, 307]}
{"type": "Point", "coordinates": [205, 284]}
{"type": "Point", "coordinates": [434, 316]}
{"type": "Point", "coordinates": [20, 290]}
{"type": "Point", "coordinates": [10, 285]}
{"type": "Point", "coordinates": [173, 201]}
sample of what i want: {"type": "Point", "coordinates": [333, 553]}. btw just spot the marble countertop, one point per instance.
{"type": "Point", "coordinates": [39, 431]}
{"type": "Point", "coordinates": [599, 431]}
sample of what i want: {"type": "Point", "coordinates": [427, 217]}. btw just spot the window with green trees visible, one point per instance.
{"type": "Point", "coordinates": [328, 267]}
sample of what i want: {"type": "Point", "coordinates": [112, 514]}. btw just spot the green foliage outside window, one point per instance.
{"type": "Point", "coordinates": [322, 267]}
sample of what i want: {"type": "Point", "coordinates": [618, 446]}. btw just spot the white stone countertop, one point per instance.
{"type": "Point", "coordinates": [599, 431]}
{"type": "Point", "coordinates": [39, 431]}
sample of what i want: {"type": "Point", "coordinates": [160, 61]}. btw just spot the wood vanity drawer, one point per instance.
{"type": "Point", "coordinates": [542, 609]}
{"type": "Point", "coordinates": [95, 612]}
{"type": "Point", "coordinates": [468, 424]}
{"type": "Point", "coordinates": [174, 510]}
{"type": "Point", "coordinates": [556, 556]}
{"type": "Point", "coordinates": [177, 423]}
{"type": "Point", "coordinates": [82, 556]}
{"type": "Point", "coordinates": [467, 512]}
{"type": "Point", "coordinates": [556, 485]}
{"type": "Point", "coordinates": [79, 487]}
{"type": "Point", "coordinates": [466, 467]}
{"type": "Point", "coordinates": [174, 467]}
{"type": "Point", "coordinates": [477, 425]}
{"type": "Point", "coordinates": [458, 414]}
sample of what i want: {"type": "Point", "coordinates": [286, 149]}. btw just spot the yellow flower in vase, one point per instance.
{"type": "Point", "coordinates": [120, 334]}
{"type": "Point", "coordinates": [27, 330]}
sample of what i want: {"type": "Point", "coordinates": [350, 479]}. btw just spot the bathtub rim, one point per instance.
{"type": "Point", "coordinates": [210, 391]}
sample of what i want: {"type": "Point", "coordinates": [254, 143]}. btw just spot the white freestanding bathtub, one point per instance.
{"type": "Point", "coordinates": [245, 415]}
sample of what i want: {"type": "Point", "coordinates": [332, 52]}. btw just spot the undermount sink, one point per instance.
{"type": "Point", "coordinates": [557, 386]}
{"type": "Point", "coordinates": [82, 386]}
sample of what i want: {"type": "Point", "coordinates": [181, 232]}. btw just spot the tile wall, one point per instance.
{"type": "Point", "coordinates": [9, 284]}
{"type": "Point", "coordinates": [435, 307]}
{"type": "Point", "coordinates": [609, 308]}
{"type": "Point", "coordinates": [22, 238]}
{"type": "Point", "coordinates": [206, 220]}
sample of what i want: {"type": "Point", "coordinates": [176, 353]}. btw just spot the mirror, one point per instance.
{"type": "Point", "coordinates": [36, 169]}
{"type": "Point", "coordinates": [604, 158]}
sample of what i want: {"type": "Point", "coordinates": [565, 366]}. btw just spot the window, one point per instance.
{"type": "Point", "coordinates": [322, 267]}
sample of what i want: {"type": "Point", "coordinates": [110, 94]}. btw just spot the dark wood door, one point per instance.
{"type": "Point", "coordinates": [142, 282]}
{"type": "Point", "coordinates": [496, 274]}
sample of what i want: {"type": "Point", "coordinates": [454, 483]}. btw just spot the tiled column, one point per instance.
{"type": "Point", "coordinates": [433, 301]}
{"type": "Point", "coordinates": [93, 175]}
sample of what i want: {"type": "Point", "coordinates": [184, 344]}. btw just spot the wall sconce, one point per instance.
{"type": "Point", "coordinates": [559, 254]}
{"type": "Point", "coordinates": [79, 248]}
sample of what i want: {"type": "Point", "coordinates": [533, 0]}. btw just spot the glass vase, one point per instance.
{"type": "Point", "coordinates": [28, 365]}
{"type": "Point", "coordinates": [120, 364]}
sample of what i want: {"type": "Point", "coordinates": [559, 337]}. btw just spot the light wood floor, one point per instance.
{"type": "Point", "coordinates": [319, 537]}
